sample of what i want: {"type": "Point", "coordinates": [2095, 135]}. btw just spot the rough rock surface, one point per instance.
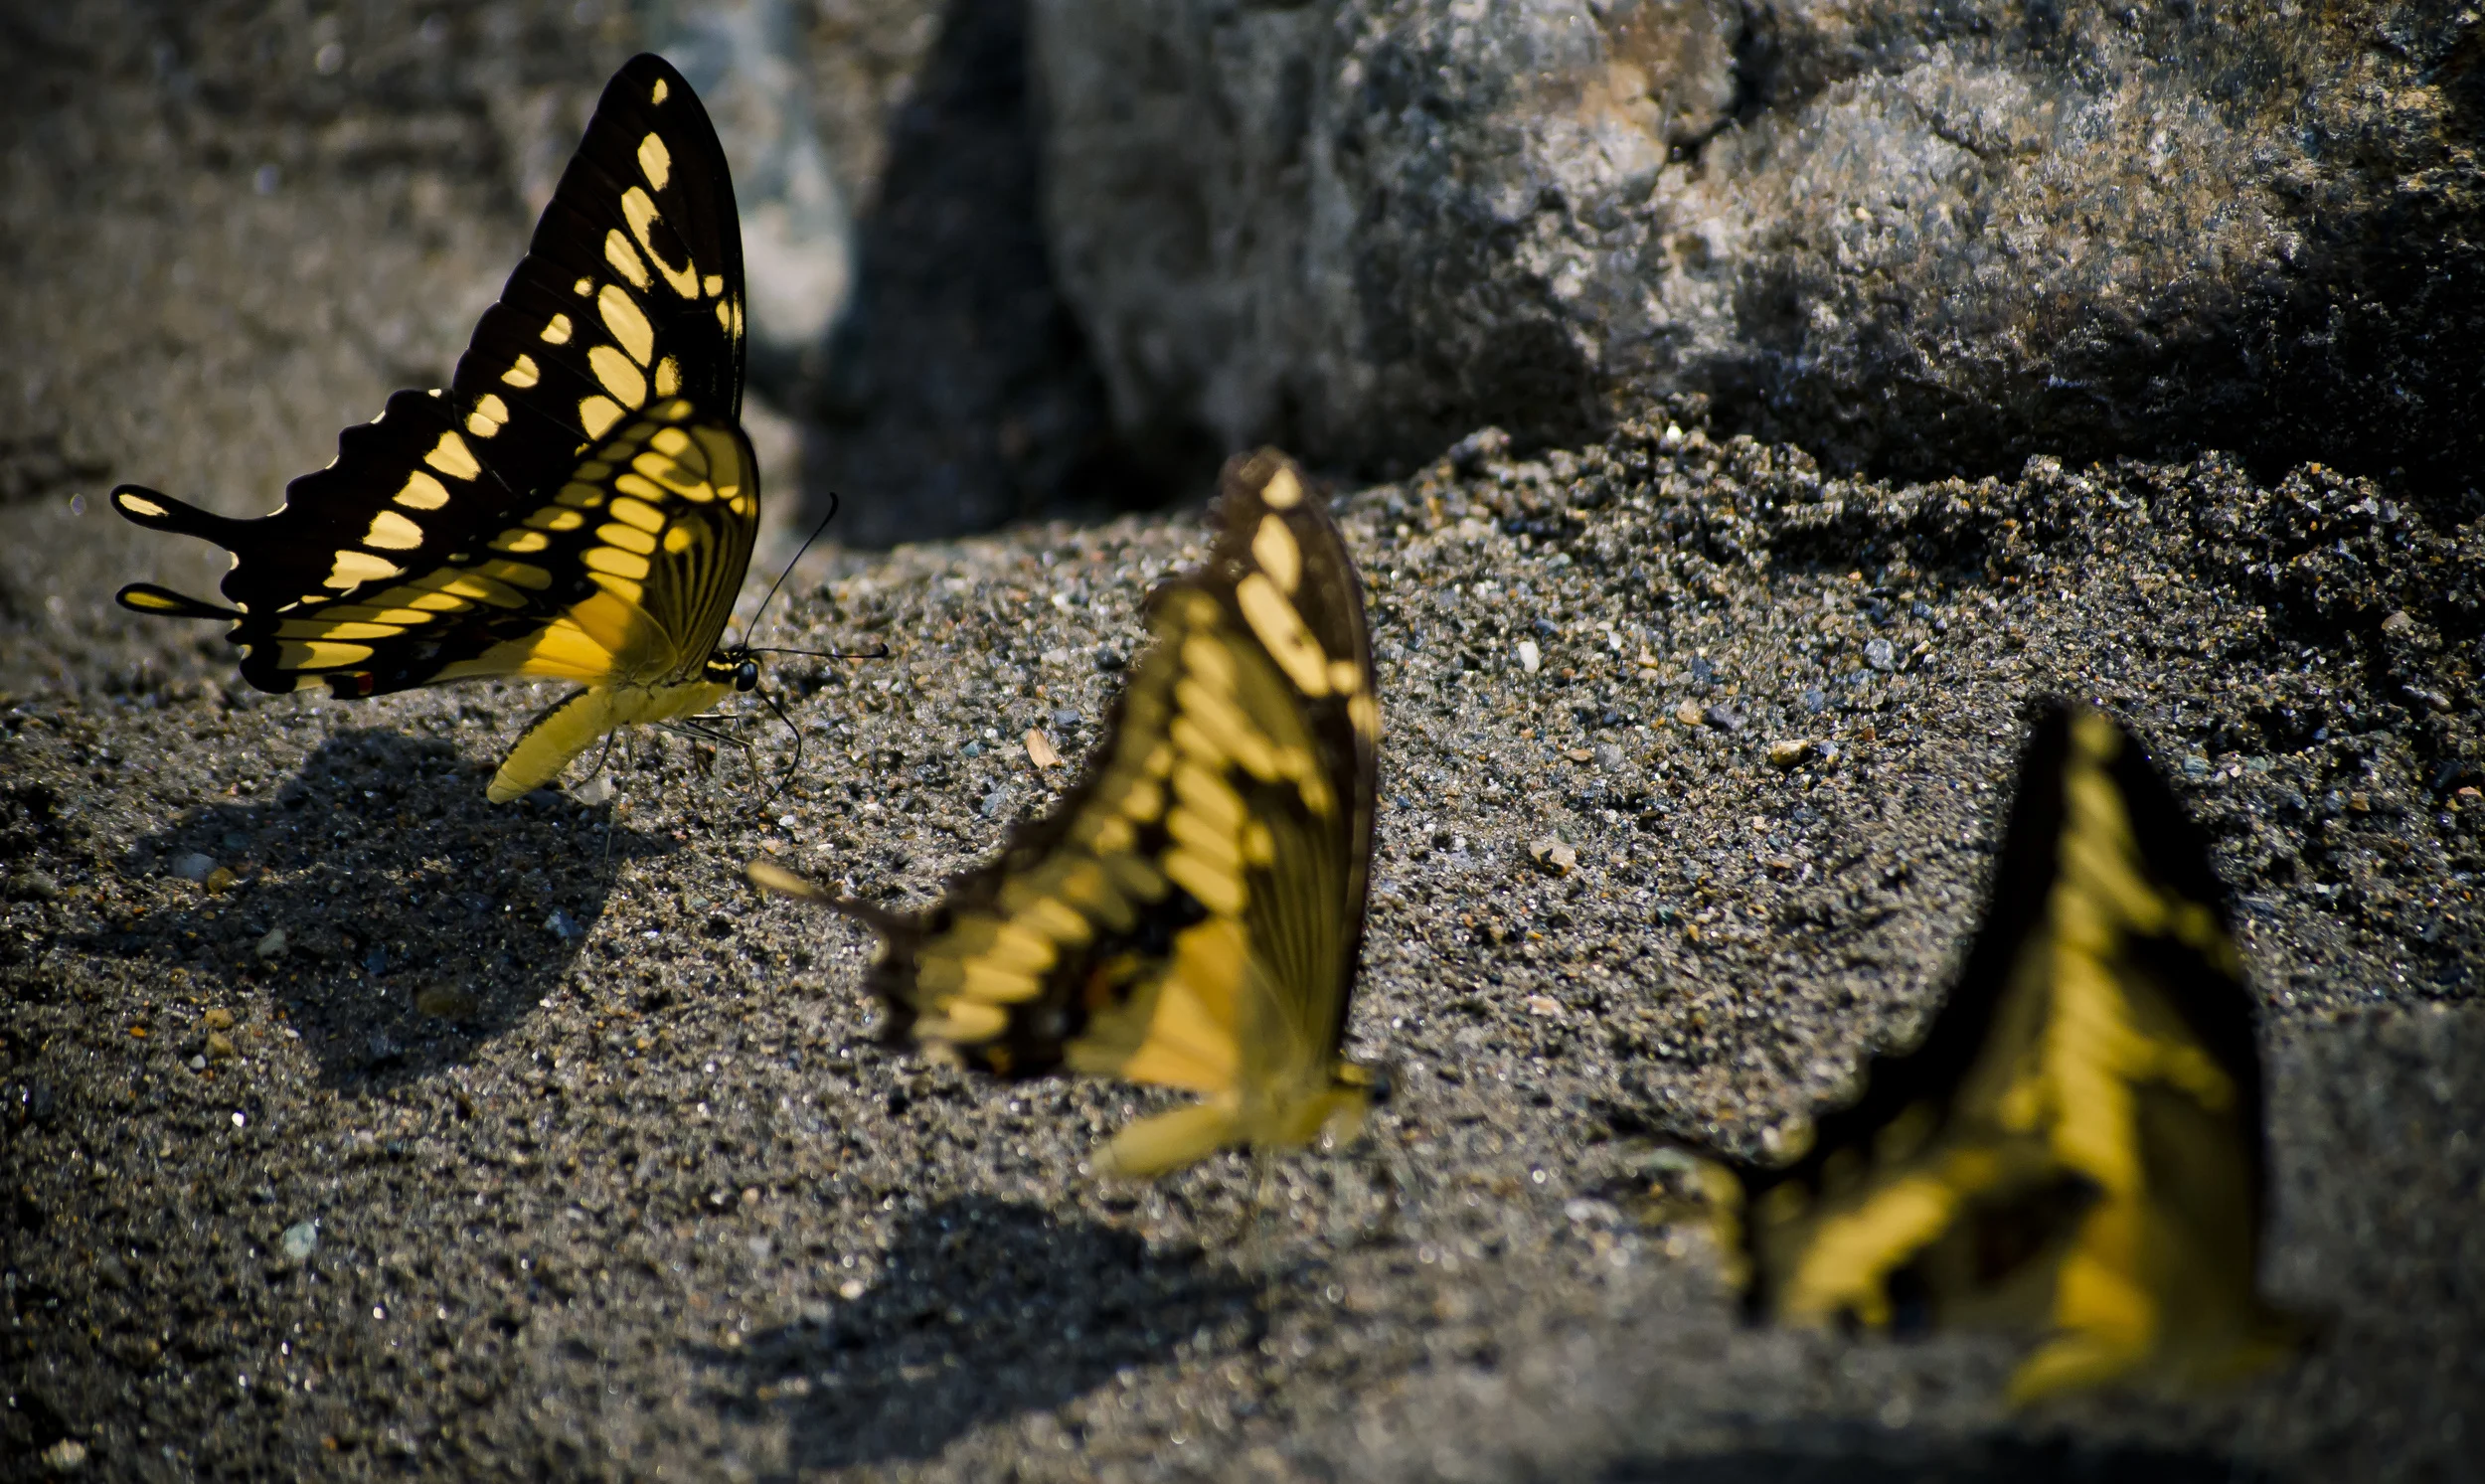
{"type": "Point", "coordinates": [1911, 237]}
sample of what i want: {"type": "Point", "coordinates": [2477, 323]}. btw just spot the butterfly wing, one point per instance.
{"type": "Point", "coordinates": [2074, 1147]}
{"type": "Point", "coordinates": [1191, 914]}
{"type": "Point", "coordinates": [435, 547]}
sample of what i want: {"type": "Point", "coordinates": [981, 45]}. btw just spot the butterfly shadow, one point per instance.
{"type": "Point", "coordinates": [1850, 1453]}
{"type": "Point", "coordinates": [983, 1309]}
{"type": "Point", "coordinates": [392, 915]}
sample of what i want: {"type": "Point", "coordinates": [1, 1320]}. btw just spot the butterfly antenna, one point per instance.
{"type": "Point", "coordinates": [881, 653]}
{"type": "Point", "coordinates": [816, 533]}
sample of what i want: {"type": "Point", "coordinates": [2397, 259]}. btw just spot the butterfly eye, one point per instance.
{"type": "Point", "coordinates": [746, 676]}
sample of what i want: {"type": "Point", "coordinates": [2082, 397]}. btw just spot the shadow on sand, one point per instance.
{"type": "Point", "coordinates": [984, 1309]}
{"type": "Point", "coordinates": [396, 917]}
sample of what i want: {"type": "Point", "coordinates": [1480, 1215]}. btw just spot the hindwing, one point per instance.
{"type": "Point", "coordinates": [1191, 914]}
{"type": "Point", "coordinates": [2074, 1146]}
{"type": "Point", "coordinates": [585, 459]}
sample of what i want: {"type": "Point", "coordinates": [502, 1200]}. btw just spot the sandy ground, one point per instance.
{"type": "Point", "coordinates": [449, 1141]}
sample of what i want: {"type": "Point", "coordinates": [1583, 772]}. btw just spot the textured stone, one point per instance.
{"type": "Point", "coordinates": [1909, 235]}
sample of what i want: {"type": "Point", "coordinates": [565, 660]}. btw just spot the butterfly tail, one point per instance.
{"type": "Point", "coordinates": [158, 511]}
{"type": "Point", "coordinates": [163, 603]}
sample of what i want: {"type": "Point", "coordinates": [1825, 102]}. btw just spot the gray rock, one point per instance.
{"type": "Point", "coordinates": [193, 866]}
{"type": "Point", "coordinates": [300, 1241]}
{"type": "Point", "coordinates": [1908, 236]}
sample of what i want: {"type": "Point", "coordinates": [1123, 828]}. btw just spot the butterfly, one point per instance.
{"type": "Point", "coordinates": [1191, 916]}
{"type": "Point", "coordinates": [578, 503]}
{"type": "Point", "coordinates": [2074, 1145]}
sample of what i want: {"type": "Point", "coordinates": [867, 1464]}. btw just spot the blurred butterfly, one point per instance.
{"type": "Point", "coordinates": [579, 504]}
{"type": "Point", "coordinates": [2074, 1147]}
{"type": "Point", "coordinates": [1191, 916]}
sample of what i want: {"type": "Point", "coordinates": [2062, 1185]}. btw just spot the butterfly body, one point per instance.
{"type": "Point", "coordinates": [2074, 1147]}
{"type": "Point", "coordinates": [579, 504]}
{"type": "Point", "coordinates": [1191, 914]}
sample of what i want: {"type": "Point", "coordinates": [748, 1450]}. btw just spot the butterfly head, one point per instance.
{"type": "Point", "coordinates": [734, 666]}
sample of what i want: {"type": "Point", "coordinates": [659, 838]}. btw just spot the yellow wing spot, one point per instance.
{"type": "Point", "coordinates": [987, 983]}
{"type": "Point", "coordinates": [1207, 797]}
{"type": "Point", "coordinates": [519, 572]}
{"type": "Point", "coordinates": [713, 283]}
{"type": "Point", "coordinates": [628, 538]}
{"type": "Point", "coordinates": [596, 413]}
{"type": "Point", "coordinates": [1259, 847]}
{"type": "Point", "coordinates": [1283, 633]}
{"type": "Point", "coordinates": [620, 563]}
{"type": "Point", "coordinates": [1345, 677]}
{"type": "Point", "coordinates": [1216, 888]}
{"type": "Point", "coordinates": [141, 507]}
{"type": "Point", "coordinates": [557, 332]}
{"type": "Point", "coordinates": [964, 1021]}
{"type": "Point", "coordinates": [1274, 548]}
{"type": "Point", "coordinates": [625, 260]}
{"type": "Point", "coordinates": [634, 512]}
{"type": "Point", "coordinates": [1207, 661]}
{"type": "Point", "coordinates": [305, 628]}
{"type": "Point", "coordinates": [641, 213]}
{"type": "Point", "coordinates": [582, 495]}
{"type": "Point", "coordinates": [1282, 491]}
{"type": "Point", "coordinates": [318, 655]}
{"type": "Point", "coordinates": [521, 541]}
{"type": "Point", "coordinates": [489, 413]}
{"type": "Point", "coordinates": [620, 587]}
{"type": "Point", "coordinates": [553, 518]}
{"type": "Point", "coordinates": [522, 373]}
{"type": "Point", "coordinates": [584, 289]}
{"type": "Point", "coordinates": [452, 458]}
{"type": "Point", "coordinates": [624, 379]}
{"type": "Point", "coordinates": [353, 568]}
{"type": "Point", "coordinates": [672, 442]}
{"type": "Point", "coordinates": [655, 160]}
{"type": "Point", "coordinates": [401, 617]}
{"type": "Point", "coordinates": [1143, 801]}
{"type": "Point", "coordinates": [421, 492]}
{"type": "Point", "coordinates": [656, 94]}
{"type": "Point", "coordinates": [628, 322]}
{"type": "Point", "coordinates": [724, 315]}
{"type": "Point", "coordinates": [1365, 714]}
{"type": "Point", "coordinates": [1199, 834]}
{"type": "Point", "coordinates": [677, 541]}
{"type": "Point", "coordinates": [668, 377]}
{"type": "Point", "coordinates": [390, 532]}
{"type": "Point", "coordinates": [594, 471]}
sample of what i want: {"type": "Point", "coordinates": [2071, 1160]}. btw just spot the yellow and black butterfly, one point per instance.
{"type": "Point", "coordinates": [2074, 1147]}
{"type": "Point", "coordinates": [1192, 914]}
{"type": "Point", "coordinates": [580, 502]}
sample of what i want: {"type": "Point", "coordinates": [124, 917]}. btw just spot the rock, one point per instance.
{"type": "Point", "coordinates": [1791, 752]}
{"type": "Point", "coordinates": [299, 1240]}
{"type": "Point", "coordinates": [194, 865]}
{"type": "Point", "coordinates": [1039, 750]}
{"type": "Point", "coordinates": [272, 946]}
{"type": "Point", "coordinates": [1690, 714]}
{"type": "Point", "coordinates": [594, 791]}
{"type": "Point", "coordinates": [1895, 237]}
{"type": "Point", "coordinates": [1531, 659]}
{"type": "Point", "coordinates": [34, 886]}
{"type": "Point", "coordinates": [1553, 858]}
{"type": "Point", "coordinates": [559, 926]}
{"type": "Point", "coordinates": [219, 1047]}
{"type": "Point", "coordinates": [67, 1456]}
{"type": "Point", "coordinates": [218, 1019]}
{"type": "Point", "coordinates": [1881, 655]}
{"type": "Point", "coordinates": [447, 1001]}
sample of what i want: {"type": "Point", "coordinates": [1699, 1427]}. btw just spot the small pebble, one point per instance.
{"type": "Point", "coordinates": [1039, 750]}
{"type": "Point", "coordinates": [219, 1047]}
{"type": "Point", "coordinates": [219, 1019]}
{"type": "Point", "coordinates": [596, 790]}
{"type": "Point", "coordinates": [1545, 1005]}
{"type": "Point", "coordinates": [1791, 752]}
{"type": "Point", "coordinates": [1578, 754]}
{"type": "Point", "coordinates": [1690, 714]}
{"type": "Point", "coordinates": [34, 886]}
{"type": "Point", "coordinates": [1553, 855]}
{"type": "Point", "coordinates": [197, 1064]}
{"type": "Point", "coordinates": [1531, 659]}
{"type": "Point", "coordinates": [2362, 804]}
{"type": "Point", "coordinates": [559, 926]}
{"type": "Point", "coordinates": [1702, 672]}
{"type": "Point", "coordinates": [1881, 656]}
{"type": "Point", "coordinates": [1724, 718]}
{"type": "Point", "coordinates": [193, 866]}
{"type": "Point", "coordinates": [272, 945]}
{"type": "Point", "coordinates": [1814, 700]}
{"type": "Point", "coordinates": [67, 1456]}
{"type": "Point", "coordinates": [300, 1241]}
{"type": "Point", "coordinates": [446, 1001]}
{"type": "Point", "coordinates": [220, 881]}
{"type": "Point", "coordinates": [1063, 719]}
